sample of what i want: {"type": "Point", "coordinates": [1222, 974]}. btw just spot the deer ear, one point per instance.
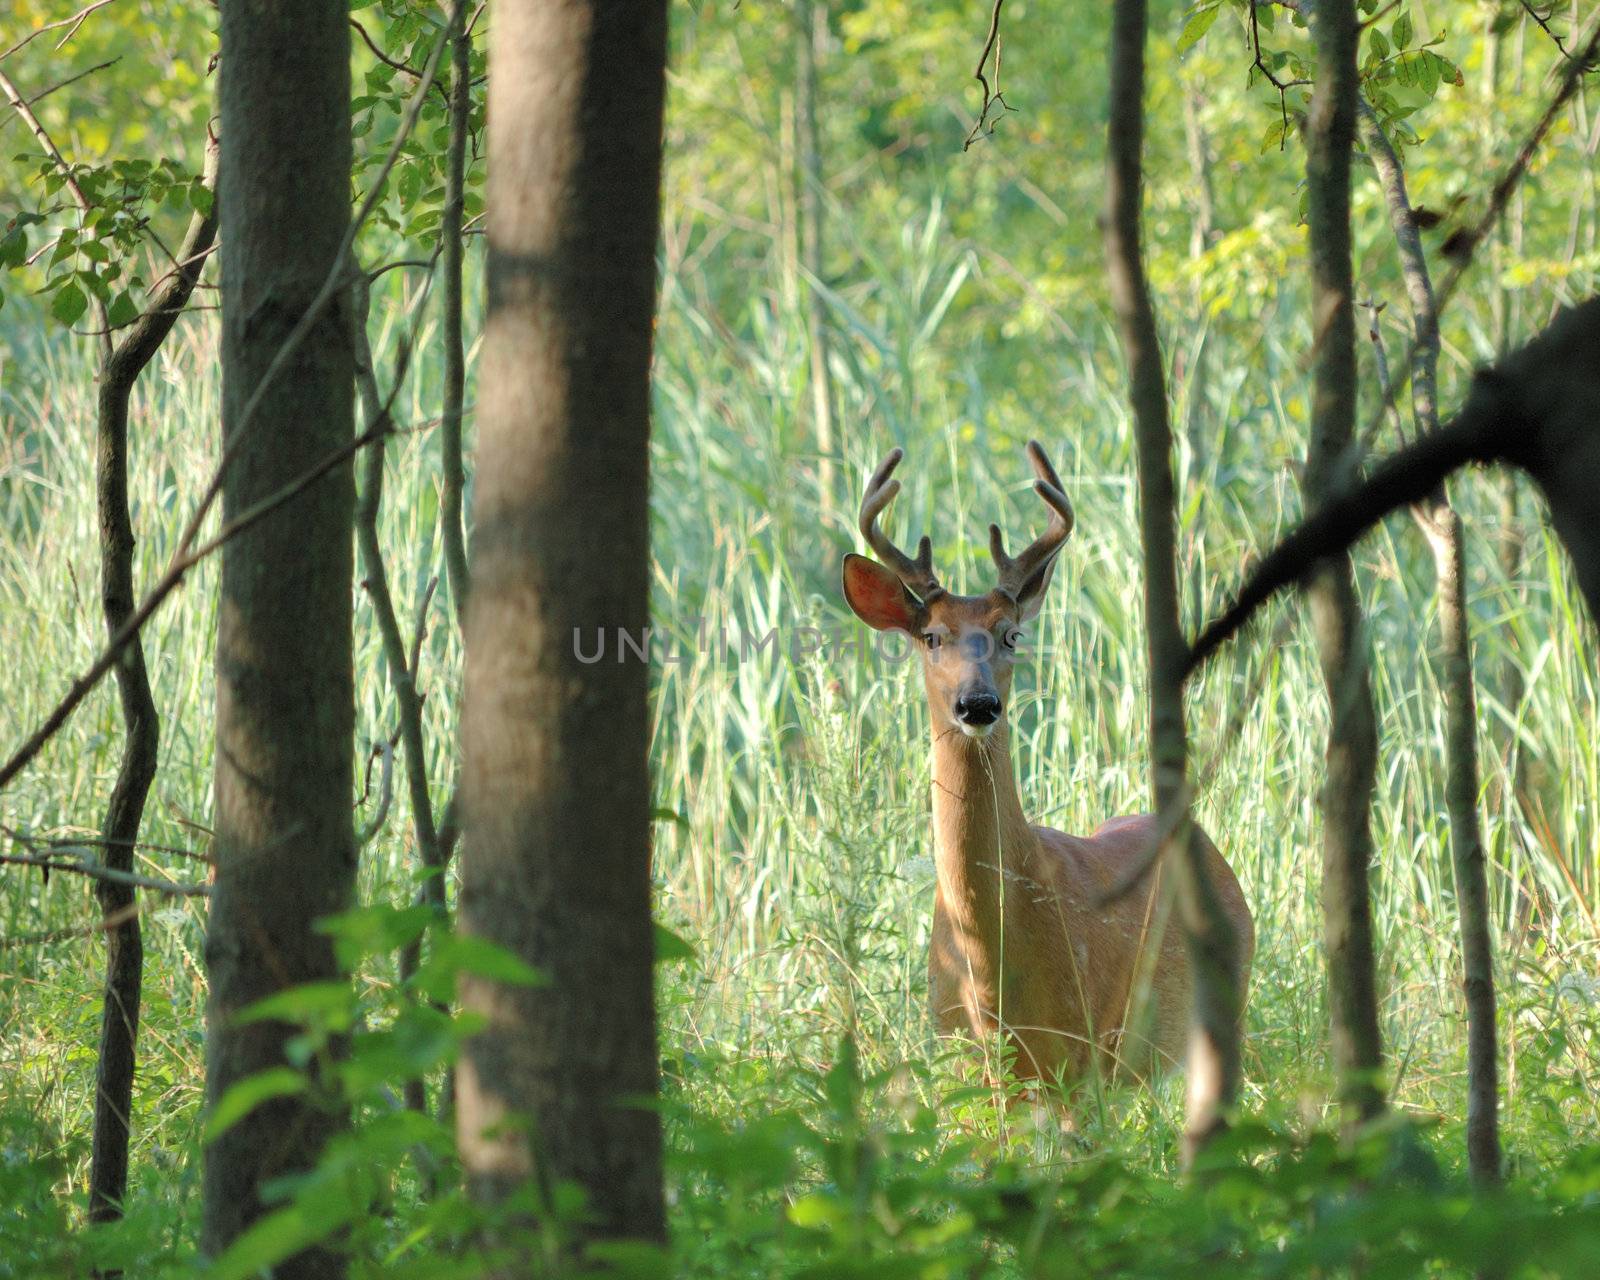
{"type": "Point", "coordinates": [877, 595]}
{"type": "Point", "coordinates": [1031, 598]}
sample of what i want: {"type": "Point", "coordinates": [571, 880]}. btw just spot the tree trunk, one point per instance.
{"type": "Point", "coordinates": [285, 702]}
{"type": "Point", "coordinates": [811, 34]}
{"type": "Point", "coordinates": [1351, 758]}
{"type": "Point", "coordinates": [1442, 526]}
{"type": "Point", "coordinates": [451, 263]}
{"type": "Point", "coordinates": [1466, 846]}
{"type": "Point", "coordinates": [402, 676]}
{"type": "Point", "coordinates": [556, 845]}
{"type": "Point", "coordinates": [119, 1026]}
{"type": "Point", "coordinates": [1214, 946]}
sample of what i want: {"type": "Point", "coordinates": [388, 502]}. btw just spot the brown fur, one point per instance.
{"type": "Point", "coordinates": [1021, 942]}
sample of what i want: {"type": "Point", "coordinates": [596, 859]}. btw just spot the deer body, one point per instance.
{"type": "Point", "coordinates": [1027, 940]}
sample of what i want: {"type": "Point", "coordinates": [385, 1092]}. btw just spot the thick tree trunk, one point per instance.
{"type": "Point", "coordinates": [1351, 759]}
{"type": "Point", "coordinates": [285, 704]}
{"type": "Point", "coordinates": [556, 845]}
{"type": "Point", "coordinates": [1214, 945]}
{"type": "Point", "coordinates": [119, 1026]}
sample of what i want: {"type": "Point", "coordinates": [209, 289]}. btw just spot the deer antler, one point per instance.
{"type": "Point", "coordinates": [1014, 574]}
{"type": "Point", "coordinates": [916, 574]}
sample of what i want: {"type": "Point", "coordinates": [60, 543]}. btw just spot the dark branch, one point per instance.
{"type": "Point", "coordinates": [992, 98]}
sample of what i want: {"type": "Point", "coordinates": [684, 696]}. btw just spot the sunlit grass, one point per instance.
{"type": "Point", "coordinates": [799, 866]}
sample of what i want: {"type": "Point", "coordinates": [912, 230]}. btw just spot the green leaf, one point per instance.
{"type": "Point", "coordinates": [69, 304]}
{"type": "Point", "coordinates": [327, 1003]}
{"type": "Point", "coordinates": [466, 953]}
{"type": "Point", "coordinates": [278, 1236]}
{"type": "Point", "coordinates": [1378, 43]}
{"type": "Point", "coordinates": [248, 1094]}
{"type": "Point", "coordinates": [670, 947]}
{"type": "Point", "coordinates": [200, 197]}
{"type": "Point", "coordinates": [14, 246]}
{"type": "Point", "coordinates": [371, 930]}
{"type": "Point", "coordinates": [122, 311]}
{"type": "Point", "coordinates": [1199, 23]}
{"type": "Point", "coordinates": [661, 814]}
{"type": "Point", "coordinates": [1428, 73]}
{"type": "Point", "coordinates": [1400, 31]}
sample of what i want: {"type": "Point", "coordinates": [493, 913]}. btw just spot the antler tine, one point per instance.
{"type": "Point", "coordinates": [1014, 574]}
{"type": "Point", "coordinates": [917, 574]}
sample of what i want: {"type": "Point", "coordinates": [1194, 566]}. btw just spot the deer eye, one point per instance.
{"type": "Point", "coordinates": [932, 639]}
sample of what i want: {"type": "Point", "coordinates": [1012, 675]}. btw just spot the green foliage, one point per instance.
{"type": "Point", "coordinates": [814, 1129]}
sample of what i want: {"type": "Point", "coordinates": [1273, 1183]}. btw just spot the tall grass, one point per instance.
{"type": "Point", "coordinates": [798, 863]}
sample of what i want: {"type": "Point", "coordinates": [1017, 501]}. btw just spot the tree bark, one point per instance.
{"type": "Point", "coordinates": [119, 1025]}
{"type": "Point", "coordinates": [556, 844]}
{"type": "Point", "coordinates": [1351, 758]}
{"type": "Point", "coordinates": [1442, 526]}
{"type": "Point", "coordinates": [1214, 946]}
{"type": "Point", "coordinates": [285, 702]}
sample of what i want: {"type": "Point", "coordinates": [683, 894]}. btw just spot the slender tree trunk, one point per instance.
{"type": "Point", "coordinates": [556, 847]}
{"type": "Point", "coordinates": [1214, 946]}
{"type": "Point", "coordinates": [451, 262]}
{"type": "Point", "coordinates": [1508, 235]}
{"type": "Point", "coordinates": [1442, 526]}
{"type": "Point", "coordinates": [811, 34]}
{"type": "Point", "coordinates": [119, 1026]}
{"type": "Point", "coordinates": [1351, 758]}
{"type": "Point", "coordinates": [1202, 230]}
{"type": "Point", "coordinates": [285, 702]}
{"type": "Point", "coordinates": [1466, 844]}
{"type": "Point", "coordinates": [402, 676]}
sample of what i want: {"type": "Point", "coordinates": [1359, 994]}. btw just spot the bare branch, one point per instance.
{"type": "Point", "coordinates": [384, 751]}
{"type": "Point", "coordinates": [991, 98]}
{"type": "Point", "coordinates": [75, 21]}
{"type": "Point", "coordinates": [87, 866]}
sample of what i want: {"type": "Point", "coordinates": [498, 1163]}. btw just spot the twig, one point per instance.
{"type": "Point", "coordinates": [87, 866]}
{"type": "Point", "coordinates": [1543, 21]}
{"type": "Point", "coordinates": [45, 93]}
{"type": "Point", "coordinates": [385, 752]}
{"type": "Point", "coordinates": [75, 21]}
{"type": "Point", "coordinates": [1282, 86]}
{"type": "Point", "coordinates": [994, 97]}
{"type": "Point", "coordinates": [36, 842]}
{"type": "Point", "coordinates": [67, 935]}
{"type": "Point", "coordinates": [15, 98]}
{"type": "Point", "coordinates": [419, 632]}
{"type": "Point", "coordinates": [422, 264]}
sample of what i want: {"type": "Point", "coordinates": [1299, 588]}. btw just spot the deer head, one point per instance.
{"type": "Point", "coordinates": [967, 643]}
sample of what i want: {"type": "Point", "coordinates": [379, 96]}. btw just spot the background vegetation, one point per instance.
{"type": "Point", "coordinates": [965, 308]}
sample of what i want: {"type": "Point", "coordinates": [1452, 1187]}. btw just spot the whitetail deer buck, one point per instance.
{"type": "Point", "coordinates": [1023, 941]}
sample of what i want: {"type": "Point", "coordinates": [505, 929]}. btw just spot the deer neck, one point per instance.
{"type": "Point", "coordinates": [985, 851]}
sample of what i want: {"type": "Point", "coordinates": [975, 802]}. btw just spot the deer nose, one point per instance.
{"type": "Point", "coordinates": [977, 708]}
